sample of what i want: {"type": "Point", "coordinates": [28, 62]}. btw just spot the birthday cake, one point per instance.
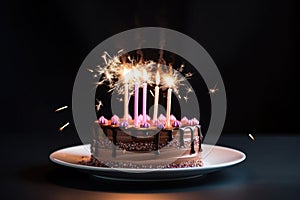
{"type": "Point", "coordinates": [142, 142]}
{"type": "Point", "coordinates": [118, 143]}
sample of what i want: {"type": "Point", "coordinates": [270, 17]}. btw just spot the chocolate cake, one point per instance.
{"type": "Point", "coordinates": [118, 143]}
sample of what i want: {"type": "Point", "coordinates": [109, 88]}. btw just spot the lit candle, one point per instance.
{"type": "Point", "coordinates": [144, 96]}
{"type": "Point", "coordinates": [168, 123]}
{"type": "Point", "coordinates": [156, 96]}
{"type": "Point", "coordinates": [136, 104]}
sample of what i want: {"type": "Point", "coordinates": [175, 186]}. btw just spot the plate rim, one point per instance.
{"type": "Point", "coordinates": [130, 170]}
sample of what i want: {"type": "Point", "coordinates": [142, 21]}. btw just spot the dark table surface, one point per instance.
{"type": "Point", "coordinates": [270, 171]}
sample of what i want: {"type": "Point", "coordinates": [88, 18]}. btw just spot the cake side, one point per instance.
{"type": "Point", "coordinates": [137, 148]}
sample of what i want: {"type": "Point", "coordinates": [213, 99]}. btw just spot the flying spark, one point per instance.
{"type": "Point", "coordinates": [120, 51]}
{"type": "Point", "coordinates": [64, 126]}
{"type": "Point", "coordinates": [186, 98]}
{"type": "Point", "coordinates": [181, 68]}
{"type": "Point", "coordinates": [151, 93]}
{"type": "Point", "coordinates": [214, 89]}
{"type": "Point", "coordinates": [189, 90]}
{"type": "Point", "coordinates": [61, 108]}
{"type": "Point", "coordinates": [251, 136]}
{"type": "Point", "coordinates": [98, 106]}
{"type": "Point", "coordinates": [188, 75]}
{"type": "Point", "coordinates": [90, 70]}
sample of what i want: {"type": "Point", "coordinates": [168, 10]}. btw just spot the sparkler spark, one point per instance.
{"type": "Point", "coordinates": [188, 75]}
{"type": "Point", "coordinates": [186, 98]}
{"type": "Point", "coordinates": [64, 126]}
{"type": "Point", "coordinates": [251, 136]}
{"type": "Point", "coordinates": [120, 69]}
{"type": "Point", "coordinates": [189, 90]}
{"type": "Point", "coordinates": [180, 69]}
{"type": "Point", "coordinates": [151, 93]}
{"type": "Point", "coordinates": [173, 80]}
{"type": "Point", "coordinates": [214, 89]}
{"type": "Point", "coordinates": [61, 108]}
{"type": "Point", "coordinates": [120, 51]}
{"type": "Point", "coordinates": [98, 106]}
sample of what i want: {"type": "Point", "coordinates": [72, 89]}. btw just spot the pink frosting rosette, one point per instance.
{"type": "Point", "coordinates": [176, 123]}
{"type": "Point", "coordinates": [141, 118]}
{"type": "Point", "coordinates": [184, 121]}
{"type": "Point", "coordinates": [194, 122]}
{"type": "Point", "coordinates": [172, 118]}
{"type": "Point", "coordinates": [124, 123]}
{"type": "Point", "coordinates": [145, 125]}
{"type": "Point", "coordinates": [102, 120]}
{"type": "Point", "coordinates": [114, 120]}
{"type": "Point", "coordinates": [160, 125]}
{"type": "Point", "coordinates": [162, 118]}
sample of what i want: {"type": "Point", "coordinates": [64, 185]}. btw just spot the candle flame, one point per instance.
{"type": "Point", "coordinates": [61, 108]}
{"type": "Point", "coordinates": [64, 126]}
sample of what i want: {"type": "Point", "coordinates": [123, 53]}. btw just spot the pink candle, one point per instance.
{"type": "Point", "coordinates": [144, 102]}
{"type": "Point", "coordinates": [136, 104]}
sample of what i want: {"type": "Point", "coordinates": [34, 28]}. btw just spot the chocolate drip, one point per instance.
{"type": "Point", "coordinates": [192, 142]}
{"type": "Point", "coordinates": [170, 135]}
{"type": "Point", "coordinates": [156, 143]}
{"type": "Point", "coordinates": [192, 151]}
{"type": "Point", "coordinates": [200, 137]}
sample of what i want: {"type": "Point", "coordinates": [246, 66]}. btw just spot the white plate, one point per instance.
{"type": "Point", "coordinates": [217, 159]}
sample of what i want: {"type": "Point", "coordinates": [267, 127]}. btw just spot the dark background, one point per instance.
{"type": "Point", "coordinates": [253, 43]}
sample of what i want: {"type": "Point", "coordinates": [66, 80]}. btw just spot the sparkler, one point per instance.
{"type": "Point", "coordinates": [115, 73]}
{"type": "Point", "coordinates": [61, 108]}
{"type": "Point", "coordinates": [121, 74]}
{"type": "Point", "coordinates": [64, 126]}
